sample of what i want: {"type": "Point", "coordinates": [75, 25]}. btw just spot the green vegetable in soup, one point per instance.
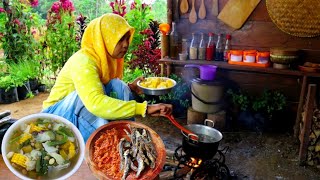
{"type": "Point", "coordinates": [41, 140]}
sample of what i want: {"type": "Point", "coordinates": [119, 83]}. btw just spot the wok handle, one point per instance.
{"type": "Point", "coordinates": [189, 133]}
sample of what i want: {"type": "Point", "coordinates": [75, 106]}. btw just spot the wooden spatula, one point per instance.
{"type": "Point", "coordinates": [193, 14]}
{"type": "Point", "coordinates": [184, 6]}
{"type": "Point", "coordinates": [202, 10]}
{"type": "Point", "coordinates": [215, 8]}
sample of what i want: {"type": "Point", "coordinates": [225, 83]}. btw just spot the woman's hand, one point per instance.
{"type": "Point", "coordinates": [159, 109]}
{"type": "Point", "coordinates": [134, 87]}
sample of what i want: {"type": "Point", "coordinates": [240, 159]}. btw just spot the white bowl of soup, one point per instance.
{"type": "Point", "coordinates": [43, 146]}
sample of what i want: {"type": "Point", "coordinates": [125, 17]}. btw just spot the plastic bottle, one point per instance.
{"type": "Point", "coordinates": [227, 47]}
{"type": "Point", "coordinates": [210, 48]}
{"type": "Point", "coordinates": [219, 49]}
{"type": "Point", "coordinates": [174, 38]}
{"type": "Point", "coordinates": [202, 49]}
{"type": "Point", "coordinates": [193, 50]}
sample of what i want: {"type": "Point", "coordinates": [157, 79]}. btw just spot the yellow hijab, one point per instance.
{"type": "Point", "coordinates": [99, 41]}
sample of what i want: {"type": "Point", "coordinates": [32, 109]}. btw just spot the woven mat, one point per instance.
{"type": "Point", "coordinates": [296, 17]}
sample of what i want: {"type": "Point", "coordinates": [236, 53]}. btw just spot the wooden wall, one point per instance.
{"type": "Point", "coordinates": [258, 32]}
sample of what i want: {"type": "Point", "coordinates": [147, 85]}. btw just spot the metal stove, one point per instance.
{"type": "Point", "coordinates": [194, 168]}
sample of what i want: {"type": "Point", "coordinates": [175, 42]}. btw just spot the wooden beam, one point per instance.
{"type": "Point", "coordinates": [296, 128]}
{"type": "Point", "coordinates": [306, 128]}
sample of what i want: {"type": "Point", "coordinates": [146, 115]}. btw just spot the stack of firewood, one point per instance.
{"type": "Point", "coordinates": [313, 153]}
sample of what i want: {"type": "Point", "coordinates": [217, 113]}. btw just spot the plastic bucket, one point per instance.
{"type": "Point", "coordinates": [207, 72]}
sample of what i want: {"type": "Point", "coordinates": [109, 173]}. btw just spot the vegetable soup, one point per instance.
{"type": "Point", "coordinates": [43, 149]}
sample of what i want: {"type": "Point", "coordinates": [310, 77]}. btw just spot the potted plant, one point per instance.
{"type": "Point", "coordinates": [8, 89]}
{"type": "Point", "coordinates": [22, 73]}
{"type": "Point", "coordinates": [256, 112]}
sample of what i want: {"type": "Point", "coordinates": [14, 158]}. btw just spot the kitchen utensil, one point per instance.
{"type": "Point", "coordinates": [207, 72]}
{"type": "Point", "coordinates": [193, 14]}
{"type": "Point", "coordinates": [202, 10]}
{"type": "Point", "coordinates": [215, 8]}
{"type": "Point", "coordinates": [207, 144]}
{"type": "Point", "coordinates": [157, 91]}
{"type": "Point", "coordinates": [184, 6]}
{"type": "Point", "coordinates": [236, 12]}
{"type": "Point", "coordinates": [147, 173]}
{"type": "Point", "coordinates": [188, 133]}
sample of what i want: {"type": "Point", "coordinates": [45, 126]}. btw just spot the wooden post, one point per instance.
{"type": "Point", "coordinates": [296, 128]}
{"type": "Point", "coordinates": [195, 117]}
{"type": "Point", "coordinates": [306, 128]}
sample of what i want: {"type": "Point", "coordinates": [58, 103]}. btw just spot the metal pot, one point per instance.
{"type": "Point", "coordinates": [207, 143]}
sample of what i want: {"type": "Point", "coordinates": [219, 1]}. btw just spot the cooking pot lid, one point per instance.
{"type": "Point", "coordinates": [205, 82]}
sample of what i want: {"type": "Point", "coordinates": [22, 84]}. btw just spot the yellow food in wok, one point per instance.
{"type": "Point", "coordinates": [157, 83]}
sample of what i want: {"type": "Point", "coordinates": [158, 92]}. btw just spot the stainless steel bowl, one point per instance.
{"type": "Point", "coordinates": [157, 91]}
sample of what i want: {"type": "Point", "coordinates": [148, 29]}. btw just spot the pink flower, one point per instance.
{"type": "Point", "coordinates": [67, 5]}
{"type": "Point", "coordinates": [63, 1]}
{"type": "Point", "coordinates": [34, 3]}
{"type": "Point", "coordinates": [16, 21]}
{"type": "Point", "coordinates": [33, 32]}
{"type": "Point", "coordinates": [55, 7]}
{"type": "Point", "coordinates": [2, 10]}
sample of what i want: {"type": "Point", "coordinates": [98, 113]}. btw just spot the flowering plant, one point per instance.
{"type": "Point", "coordinates": [60, 38]}
{"type": "Point", "coordinates": [118, 7]}
{"type": "Point", "coordinates": [16, 30]}
{"type": "Point", "coordinates": [147, 55]}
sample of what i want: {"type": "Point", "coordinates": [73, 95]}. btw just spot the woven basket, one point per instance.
{"type": "Point", "coordinates": [296, 17]}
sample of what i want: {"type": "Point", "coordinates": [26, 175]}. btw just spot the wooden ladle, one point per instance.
{"type": "Point", "coordinates": [202, 10]}
{"type": "Point", "coordinates": [184, 6]}
{"type": "Point", "coordinates": [193, 14]}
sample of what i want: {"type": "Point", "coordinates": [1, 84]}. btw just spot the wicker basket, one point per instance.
{"type": "Point", "coordinates": [296, 17]}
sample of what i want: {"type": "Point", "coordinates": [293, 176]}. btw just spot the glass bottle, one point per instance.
{"type": "Point", "coordinates": [210, 48]}
{"type": "Point", "coordinates": [193, 50]}
{"type": "Point", "coordinates": [227, 47]}
{"type": "Point", "coordinates": [202, 49]}
{"type": "Point", "coordinates": [174, 38]}
{"type": "Point", "coordinates": [184, 46]}
{"type": "Point", "coordinates": [219, 49]}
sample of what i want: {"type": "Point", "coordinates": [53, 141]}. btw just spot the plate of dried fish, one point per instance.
{"type": "Point", "coordinates": [125, 150]}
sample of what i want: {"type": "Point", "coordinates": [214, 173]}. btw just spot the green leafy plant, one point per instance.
{"type": "Point", "coordinates": [180, 96]}
{"type": "Point", "coordinates": [7, 82]}
{"type": "Point", "coordinates": [17, 25]}
{"type": "Point", "coordinates": [239, 98]}
{"type": "Point", "coordinates": [267, 103]}
{"type": "Point", "coordinates": [130, 75]}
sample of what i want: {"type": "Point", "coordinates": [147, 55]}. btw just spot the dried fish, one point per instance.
{"type": "Point", "coordinates": [126, 164]}
{"type": "Point", "coordinates": [120, 146]}
{"type": "Point", "coordinates": [140, 164]}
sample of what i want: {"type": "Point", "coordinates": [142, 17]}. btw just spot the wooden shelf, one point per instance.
{"type": "Point", "coordinates": [225, 65]}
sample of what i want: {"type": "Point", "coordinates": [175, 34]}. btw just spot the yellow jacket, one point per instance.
{"type": "Point", "coordinates": [92, 66]}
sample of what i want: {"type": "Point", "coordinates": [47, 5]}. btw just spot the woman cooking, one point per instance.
{"type": "Point", "coordinates": [88, 90]}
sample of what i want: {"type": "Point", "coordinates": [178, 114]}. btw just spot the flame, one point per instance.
{"type": "Point", "coordinates": [194, 162]}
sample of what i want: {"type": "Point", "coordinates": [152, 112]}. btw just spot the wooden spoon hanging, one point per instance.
{"type": "Point", "coordinates": [202, 10]}
{"type": "Point", "coordinates": [193, 14]}
{"type": "Point", "coordinates": [184, 6]}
